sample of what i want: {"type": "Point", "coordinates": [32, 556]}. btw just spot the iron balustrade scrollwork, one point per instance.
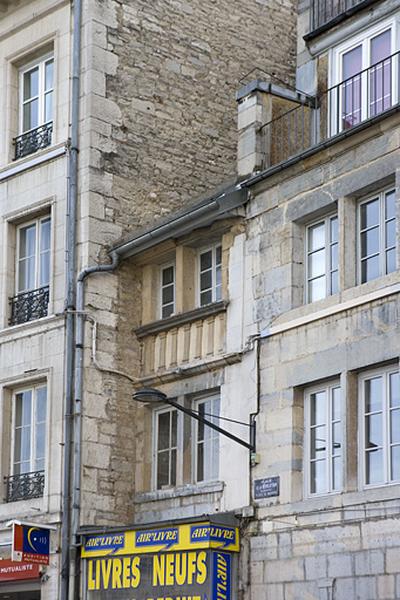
{"type": "Point", "coordinates": [24, 486]}
{"type": "Point", "coordinates": [29, 306]}
{"type": "Point", "coordinates": [33, 140]}
{"type": "Point", "coordinates": [367, 94]}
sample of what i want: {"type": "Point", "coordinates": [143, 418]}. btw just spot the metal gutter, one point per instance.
{"type": "Point", "coordinates": [198, 216]}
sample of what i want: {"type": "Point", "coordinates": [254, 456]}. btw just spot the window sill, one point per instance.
{"type": "Point", "coordinates": [190, 489]}
{"type": "Point", "coordinates": [28, 162]}
{"type": "Point", "coordinates": [346, 300]}
{"type": "Point", "coordinates": [181, 318]}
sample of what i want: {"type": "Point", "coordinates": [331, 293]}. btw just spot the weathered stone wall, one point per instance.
{"type": "Point", "coordinates": [158, 125]}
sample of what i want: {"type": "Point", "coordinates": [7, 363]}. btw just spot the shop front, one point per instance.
{"type": "Point", "coordinates": [174, 561]}
{"type": "Point", "coordinates": [19, 580]}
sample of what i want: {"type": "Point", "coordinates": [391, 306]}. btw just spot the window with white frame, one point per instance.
{"type": "Point", "coordinates": [29, 430]}
{"type": "Point", "coordinates": [167, 291]}
{"type": "Point", "coordinates": [380, 418]}
{"type": "Point", "coordinates": [36, 94]}
{"type": "Point", "coordinates": [323, 439]}
{"type": "Point", "coordinates": [377, 236]}
{"type": "Point", "coordinates": [210, 275]}
{"type": "Point", "coordinates": [33, 258]}
{"type": "Point", "coordinates": [165, 448]}
{"type": "Point", "coordinates": [206, 440]}
{"type": "Point", "coordinates": [322, 259]}
{"type": "Point", "coordinates": [364, 76]}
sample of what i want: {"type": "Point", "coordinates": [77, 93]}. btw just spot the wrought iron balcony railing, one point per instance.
{"type": "Point", "coordinates": [24, 486]}
{"type": "Point", "coordinates": [328, 12]}
{"type": "Point", "coordinates": [28, 306]}
{"type": "Point", "coordinates": [365, 95]}
{"type": "Point", "coordinates": [33, 140]}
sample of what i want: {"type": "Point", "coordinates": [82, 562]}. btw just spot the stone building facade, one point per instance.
{"type": "Point", "coordinates": [300, 331]}
{"type": "Point", "coordinates": [157, 128]}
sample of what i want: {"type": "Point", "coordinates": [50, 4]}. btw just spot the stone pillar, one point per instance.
{"type": "Point", "coordinates": [254, 110]}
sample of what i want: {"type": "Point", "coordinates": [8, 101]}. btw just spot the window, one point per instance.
{"type": "Point", "coordinates": [36, 107]}
{"type": "Point", "coordinates": [365, 72]}
{"type": "Point", "coordinates": [380, 415]}
{"type": "Point", "coordinates": [28, 444]}
{"type": "Point", "coordinates": [166, 448]}
{"type": "Point", "coordinates": [206, 441]}
{"type": "Point", "coordinates": [323, 437]}
{"type": "Point", "coordinates": [377, 236]}
{"type": "Point", "coordinates": [167, 291]}
{"type": "Point", "coordinates": [322, 259]}
{"type": "Point", "coordinates": [210, 275]}
{"type": "Point", "coordinates": [32, 271]}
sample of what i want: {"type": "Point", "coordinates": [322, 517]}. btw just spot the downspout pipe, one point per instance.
{"type": "Point", "coordinates": [79, 370]}
{"type": "Point", "coordinates": [70, 259]}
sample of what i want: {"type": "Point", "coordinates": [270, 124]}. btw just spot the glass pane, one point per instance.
{"type": "Point", "coordinates": [27, 241]}
{"type": "Point", "coordinates": [316, 237]}
{"type": "Point", "coordinates": [27, 408]}
{"type": "Point", "coordinates": [218, 276]}
{"type": "Point", "coordinates": [374, 466]}
{"type": "Point", "coordinates": [167, 275]}
{"type": "Point", "coordinates": [218, 293]}
{"type": "Point", "coordinates": [336, 438]}
{"type": "Point", "coordinates": [167, 311]}
{"type": "Point", "coordinates": [39, 464]}
{"type": "Point", "coordinates": [351, 88]}
{"type": "Point", "coordinates": [395, 463]}
{"type": "Point", "coordinates": [334, 256]}
{"type": "Point", "coordinates": [370, 242]}
{"type": "Point", "coordinates": [336, 404]}
{"type": "Point", "coordinates": [174, 428]}
{"type": "Point", "coordinates": [31, 115]}
{"type": "Point", "coordinates": [370, 214]}
{"type": "Point", "coordinates": [373, 394]}
{"type": "Point", "coordinates": [390, 203]}
{"type": "Point", "coordinates": [380, 74]}
{"type": "Point", "coordinates": [390, 233]}
{"type": "Point", "coordinates": [316, 264]}
{"type": "Point", "coordinates": [206, 260]}
{"type": "Point", "coordinates": [373, 431]}
{"type": "Point", "coordinates": [44, 269]}
{"type": "Point", "coordinates": [395, 426]}
{"type": "Point", "coordinates": [41, 400]}
{"type": "Point", "coordinates": [18, 410]}
{"type": "Point", "coordinates": [173, 468]}
{"type": "Point", "coordinates": [49, 74]}
{"type": "Point", "coordinates": [162, 469]}
{"type": "Point", "coordinates": [334, 282]}
{"type": "Point", "coordinates": [205, 280]}
{"type": "Point", "coordinates": [17, 445]}
{"type": "Point", "coordinates": [334, 229]}
{"type": "Point", "coordinates": [48, 107]}
{"type": "Point", "coordinates": [163, 431]}
{"type": "Point", "coordinates": [26, 275]}
{"type": "Point", "coordinates": [352, 62]}
{"type": "Point", "coordinates": [168, 294]}
{"type": "Point", "coordinates": [200, 462]}
{"type": "Point", "coordinates": [45, 235]}
{"type": "Point", "coordinates": [25, 443]}
{"type": "Point", "coordinates": [31, 83]}
{"type": "Point", "coordinates": [337, 473]}
{"type": "Point", "coordinates": [318, 477]}
{"type": "Point", "coordinates": [318, 408]}
{"type": "Point", "coordinates": [380, 46]}
{"type": "Point", "coordinates": [40, 440]}
{"type": "Point", "coordinates": [318, 442]}
{"type": "Point", "coordinates": [218, 255]}
{"type": "Point", "coordinates": [369, 269]}
{"type": "Point", "coordinates": [205, 298]}
{"type": "Point", "coordinates": [394, 387]}
{"type": "Point", "coordinates": [391, 260]}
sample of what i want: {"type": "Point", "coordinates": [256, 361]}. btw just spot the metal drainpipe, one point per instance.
{"type": "Point", "coordinates": [72, 196]}
{"type": "Point", "coordinates": [78, 360]}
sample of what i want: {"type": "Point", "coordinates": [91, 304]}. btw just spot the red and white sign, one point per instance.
{"type": "Point", "coordinates": [15, 571]}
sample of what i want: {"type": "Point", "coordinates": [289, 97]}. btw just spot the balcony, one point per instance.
{"type": "Point", "coordinates": [24, 486]}
{"type": "Point", "coordinates": [33, 140]}
{"type": "Point", "coordinates": [327, 13]}
{"type": "Point", "coordinates": [29, 306]}
{"type": "Point", "coordinates": [337, 111]}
